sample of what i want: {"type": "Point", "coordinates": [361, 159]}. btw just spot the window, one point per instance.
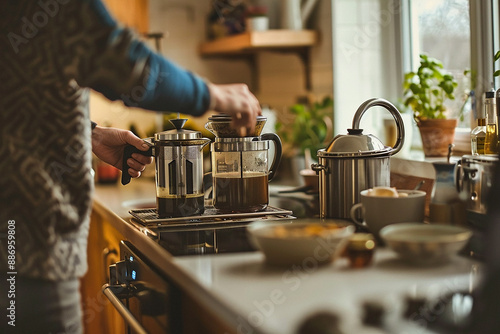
{"type": "Point", "coordinates": [370, 59]}
{"type": "Point", "coordinates": [463, 35]}
{"type": "Point", "coordinates": [441, 29]}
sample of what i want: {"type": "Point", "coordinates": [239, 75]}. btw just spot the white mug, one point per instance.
{"type": "Point", "coordinates": [380, 211]}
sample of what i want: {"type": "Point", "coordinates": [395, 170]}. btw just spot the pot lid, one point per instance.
{"type": "Point", "coordinates": [178, 133]}
{"type": "Point", "coordinates": [220, 126]}
{"type": "Point", "coordinates": [228, 118]}
{"type": "Point", "coordinates": [355, 144]}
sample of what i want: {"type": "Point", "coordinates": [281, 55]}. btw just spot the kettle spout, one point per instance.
{"type": "Point", "coordinates": [306, 10]}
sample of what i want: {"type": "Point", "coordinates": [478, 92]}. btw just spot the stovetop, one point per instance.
{"type": "Point", "coordinates": [150, 218]}
{"type": "Point", "coordinates": [209, 233]}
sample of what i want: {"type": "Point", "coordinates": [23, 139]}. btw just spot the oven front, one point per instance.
{"type": "Point", "coordinates": [147, 301]}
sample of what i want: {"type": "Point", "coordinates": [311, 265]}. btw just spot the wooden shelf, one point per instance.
{"type": "Point", "coordinates": [258, 40]}
{"type": "Point", "coordinates": [248, 44]}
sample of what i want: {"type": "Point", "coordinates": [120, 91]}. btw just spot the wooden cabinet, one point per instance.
{"type": "Point", "coordinates": [132, 13]}
{"type": "Point", "coordinates": [103, 249]}
{"type": "Point", "coordinates": [99, 315]}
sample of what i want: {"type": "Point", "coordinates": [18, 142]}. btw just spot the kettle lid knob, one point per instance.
{"type": "Point", "coordinates": [355, 131]}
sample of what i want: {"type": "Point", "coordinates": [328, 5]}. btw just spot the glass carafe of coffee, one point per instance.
{"type": "Point", "coordinates": [240, 167]}
{"type": "Point", "coordinates": [179, 170]}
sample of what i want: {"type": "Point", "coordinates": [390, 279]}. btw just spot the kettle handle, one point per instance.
{"type": "Point", "coordinates": [394, 112]}
{"type": "Point", "coordinates": [127, 153]}
{"type": "Point", "coordinates": [277, 152]}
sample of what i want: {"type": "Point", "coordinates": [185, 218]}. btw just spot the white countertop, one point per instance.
{"type": "Point", "coordinates": [244, 290]}
{"type": "Point", "coordinates": [277, 300]}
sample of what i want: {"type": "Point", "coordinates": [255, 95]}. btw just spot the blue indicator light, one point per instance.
{"type": "Point", "coordinates": [134, 274]}
{"type": "Point", "coordinates": [131, 258]}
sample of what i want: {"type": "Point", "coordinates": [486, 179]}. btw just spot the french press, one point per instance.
{"type": "Point", "coordinates": [240, 170]}
{"type": "Point", "coordinates": [179, 170]}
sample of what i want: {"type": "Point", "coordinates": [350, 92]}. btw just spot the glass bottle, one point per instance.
{"type": "Point", "coordinates": [491, 142]}
{"type": "Point", "coordinates": [478, 134]}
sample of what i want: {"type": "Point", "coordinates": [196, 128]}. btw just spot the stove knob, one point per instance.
{"type": "Point", "coordinates": [373, 314]}
{"type": "Point", "coordinates": [112, 275]}
{"type": "Point", "coordinates": [320, 323]}
{"type": "Point", "coordinates": [414, 307]}
{"type": "Point", "coordinates": [121, 272]}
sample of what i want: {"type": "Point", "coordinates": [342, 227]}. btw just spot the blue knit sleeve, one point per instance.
{"type": "Point", "coordinates": [146, 79]}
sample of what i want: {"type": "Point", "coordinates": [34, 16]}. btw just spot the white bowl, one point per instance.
{"type": "Point", "coordinates": [295, 242]}
{"type": "Point", "coordinates": [425, 243]}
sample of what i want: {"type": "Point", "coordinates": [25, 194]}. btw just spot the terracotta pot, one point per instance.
{"type": "Point", "coordinates": [437, 135]}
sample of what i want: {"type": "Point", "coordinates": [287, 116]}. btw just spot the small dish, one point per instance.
{"type": "Point", "coordinates": [425, 243]}
{"type": "Point", "coordinates": [307, 242]}
{"type": "Point", "coordinates": [311, 179]}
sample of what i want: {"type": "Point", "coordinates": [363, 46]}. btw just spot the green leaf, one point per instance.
{"type": "Point", "coordinates": [497, 56]}
{"type": "Point", "coordinates": [415, 88]}
{"type": "Point", "coordinates": [447, 86]}
{"type": "Point", "coordinates": [409, 76]}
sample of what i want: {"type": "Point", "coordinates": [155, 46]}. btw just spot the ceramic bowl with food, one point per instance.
{"type": "Point", "coordinates": [425, 243]}
{"type": "Point", "coordinates": [300, 242]}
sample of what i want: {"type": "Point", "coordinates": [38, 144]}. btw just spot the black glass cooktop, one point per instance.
{"type": "Point", "coordinates": [203, 237]}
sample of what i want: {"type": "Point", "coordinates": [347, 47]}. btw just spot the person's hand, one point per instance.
{"type": "Point", "coordinates": [108, 145]}
{"type": "Point", "coordinates": [237, 101]}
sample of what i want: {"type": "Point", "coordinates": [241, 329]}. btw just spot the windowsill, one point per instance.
{"type": "Point", "coordinates": [462, 147]}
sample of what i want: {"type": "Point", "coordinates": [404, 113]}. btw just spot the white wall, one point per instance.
{"type": "Point", "coordinates": [282, 77]}
{"type": "Point", "coordinates": [364, 60]}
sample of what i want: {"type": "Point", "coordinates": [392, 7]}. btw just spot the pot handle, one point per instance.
{"type": "Point", "coordinates": [277, 152]}
{"type": "Point", "coordinates": [394, 112]}
{"type": "Point", "coordinates": [127, 153]}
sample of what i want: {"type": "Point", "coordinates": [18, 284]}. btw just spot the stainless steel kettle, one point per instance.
{"type": "Point", "coordinates": [355, 162]}
{"type": "Point", "coordinates": [179, 170]}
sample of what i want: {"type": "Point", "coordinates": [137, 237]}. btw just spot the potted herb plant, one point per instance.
{"type": "Point", "coordinates": [303, 131]}
{"type": "Point", "coordinates": [307, 128]}
{"type": "Point", "coordinates": [425, 92]}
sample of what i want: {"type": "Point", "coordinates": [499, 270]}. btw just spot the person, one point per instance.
{"type": "Point", "coordinates": [52, 53]}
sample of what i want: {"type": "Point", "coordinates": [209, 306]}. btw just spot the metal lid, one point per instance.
{"type": "Point", "coordinates": [175, 134]}
{"type": "Point", "coordinates": [178, 133]}
{"type": "Point", "coordinates": [220, 125]}
{"type": "Point", "coordinates": [355, 144]}
{"type": "Point", "coordinates": [228, 118]}
{"type": "Point", "coordinates": [362, 241]}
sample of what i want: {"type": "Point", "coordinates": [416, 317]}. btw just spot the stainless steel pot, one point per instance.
{"type": "Point", "coordinates": [355, 162]}
{"type": "Point", "coordinates": [474, 180]}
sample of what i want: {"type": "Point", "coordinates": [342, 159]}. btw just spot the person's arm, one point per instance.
{"type": "Point", "coordinates": [123, 67]}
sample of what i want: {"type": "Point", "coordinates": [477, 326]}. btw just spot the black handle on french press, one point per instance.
{"type": "Point", "coordinates": [277, 152]}
{"type": "Point", "coordinates": [127, 153]}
